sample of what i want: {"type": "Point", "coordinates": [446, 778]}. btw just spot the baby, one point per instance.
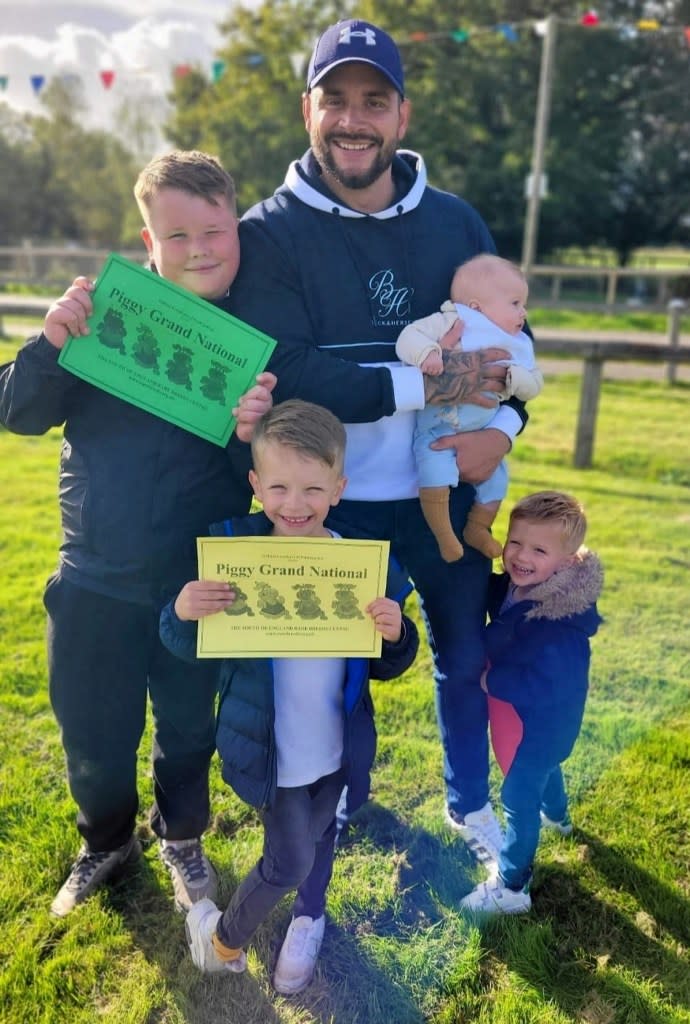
{"type": "Point", "coordinates": [489, 295]}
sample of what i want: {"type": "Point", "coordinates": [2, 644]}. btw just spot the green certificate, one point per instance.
{"type": "Point", "coordinates": [167, 351]}
{"type": "Point", "coordinates": [294, 598]}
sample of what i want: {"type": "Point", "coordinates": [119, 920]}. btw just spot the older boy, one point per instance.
{"type": "Point", "coordinates": [134, 493]}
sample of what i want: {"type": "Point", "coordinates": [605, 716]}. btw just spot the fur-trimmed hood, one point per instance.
{"type": "Point", "coordinates": [573, 591]}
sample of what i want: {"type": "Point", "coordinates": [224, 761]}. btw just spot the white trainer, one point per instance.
{"type": "Point", "coordinates": [298, 955]}
{"type": "Point", "coordinates": [564, 827]}
{"type": "Point", "coordinates": [200, 927]}
{"type": "Point", "coordinates": [481, 832]}
{"type": "Point", "coordinates": [493, 897]}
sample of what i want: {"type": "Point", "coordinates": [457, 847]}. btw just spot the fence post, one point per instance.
{"type": "Point", "coordinates": [589, 404]}
{"type": "Point", "coordinates": [675, 308]}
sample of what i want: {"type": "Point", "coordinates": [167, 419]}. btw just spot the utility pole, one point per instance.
{"type": "Point", "coordinates": [529, 245]}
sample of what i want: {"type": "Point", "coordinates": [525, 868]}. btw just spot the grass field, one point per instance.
{"type": "Point", "coordinates": [608, 939]}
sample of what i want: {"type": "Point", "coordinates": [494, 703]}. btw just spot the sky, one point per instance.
{"type": "Point", "coordinates": [48, 38]}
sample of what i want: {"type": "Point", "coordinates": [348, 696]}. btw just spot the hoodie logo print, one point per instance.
{"type": "Point", "coordinates": [392, 303]}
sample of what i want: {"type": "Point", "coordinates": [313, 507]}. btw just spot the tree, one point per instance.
{"type": "Point", "coordinates": [619, 133]}
{"type": "Point", "coordinates": [250, 117]}
{"type": "Point", "coordinates": [64, 181]}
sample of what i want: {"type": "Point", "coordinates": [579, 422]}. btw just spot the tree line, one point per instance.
{"type": "Point", "coordinates": [617, 151]}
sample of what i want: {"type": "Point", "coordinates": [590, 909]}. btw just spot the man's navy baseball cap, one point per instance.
{"type": "Point", "coordinates": [355, 40]}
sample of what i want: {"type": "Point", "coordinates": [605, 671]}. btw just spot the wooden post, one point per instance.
{"type": "Point", "coordinates": [675, 308]}
{"type": "Point", "coordinates": [589, 405]}
{"type": "Point", "coordinates": [529, 242]}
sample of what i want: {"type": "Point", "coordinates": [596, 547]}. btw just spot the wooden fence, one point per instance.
{"type": "Point", "coordinates": [582, 287]}
{"type": "Point", "coordinates": [594, 355]}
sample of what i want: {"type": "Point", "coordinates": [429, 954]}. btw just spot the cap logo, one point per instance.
{"type": "Point", "coordinates": [347, 33]}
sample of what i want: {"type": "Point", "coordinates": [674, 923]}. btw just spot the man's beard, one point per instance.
{"type": "Point", "coordinates": [356, 179]}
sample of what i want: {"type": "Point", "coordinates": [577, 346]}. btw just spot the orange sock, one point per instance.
{"type": "Point", "coordinates": [225, 953]}
{"type": "Point", "coordinates": [435, 502]}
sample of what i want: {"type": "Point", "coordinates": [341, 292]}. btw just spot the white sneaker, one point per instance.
{"type": "Point", "coordinates": [564, 826]}
{"type": "Point", "coordinates": [493, 897]}
{"type": "Point", "coordinates": [481, 831]}
{"type": "Point", "coordinates": [299, 952]}
{"type": "Point", "coordinates": [193, 876]}
{"type": "Point", "coordinates": [200, 926]}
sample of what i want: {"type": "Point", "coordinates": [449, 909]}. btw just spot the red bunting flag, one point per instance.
{"type": "Point", "coordinates": [589, 18]}
{"type": "Point", "coordinates": [107, 77]}
{"type": "Point", "coordinates": [686, 33]}
{"type": "Point", "coordinates": [419, 37]}
{"type": "Point", "coordinates": [182, 69]}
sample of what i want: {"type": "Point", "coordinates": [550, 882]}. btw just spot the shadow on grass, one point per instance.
{"type": "Point", "coordinates": [580, 950]}
{"type": "Point", "coordinates": [348, 986]}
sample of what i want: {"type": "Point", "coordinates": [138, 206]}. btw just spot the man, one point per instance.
{"type": "Point", "coordinates": [353, 247]}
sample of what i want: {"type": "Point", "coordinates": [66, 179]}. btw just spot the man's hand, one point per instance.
{"type": "Point", "coordinates": [253, 404]}
{"type": "Point", "coordinates": [466, 377]}
{"type": "Point", "coordinates": [477, 452]}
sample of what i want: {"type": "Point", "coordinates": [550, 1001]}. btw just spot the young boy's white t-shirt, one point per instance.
{"type": "Point", "coordinates": [308, 718]}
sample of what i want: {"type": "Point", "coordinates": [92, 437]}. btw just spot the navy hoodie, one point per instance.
{"type": "Point", "coordinates": [335, 287]}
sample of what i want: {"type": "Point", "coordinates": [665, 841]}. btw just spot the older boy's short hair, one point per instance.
{"type": "Point", "coordinates": [554, 507]}
{"type": "Point", "coordinates": [188, 170]}
{"type": "Point", "coordinates": [309, 429]}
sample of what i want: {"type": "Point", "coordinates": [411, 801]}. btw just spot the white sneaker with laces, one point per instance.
{"type": "Point", "coordinates": [193, 876]}
{"type": "Point", "coordinates": [298, 955]}
{"type": "Point", "coordinates": [200, 926]}
{"type": "Point", "coordinates": [481, 832]}
{"type": "Point", "coordinates": [493, 897]}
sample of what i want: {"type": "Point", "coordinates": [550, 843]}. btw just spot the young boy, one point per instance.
{"type": "Point", "coordinates": [292, 732]}
{"type": "Point", "coordinates": [489, 295]}
{"type": "Point", "coordinates": [543, 613]}
{"type": "Point", "coordinates": [135, 492]}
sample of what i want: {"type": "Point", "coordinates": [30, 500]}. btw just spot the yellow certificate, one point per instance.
{"type": "Point", "coordinates": [295, 598]}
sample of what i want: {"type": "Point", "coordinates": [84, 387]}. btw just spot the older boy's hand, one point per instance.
{"type": "Point", "coordinates": [253, 404]}
{"type": "Point", "coordinates": [477, 452]}
{"type": "Point", "coordinates": [200, 598]}
{"type": "Point", "coordinates": [466, 377]}
{"type": "Point", "coordinates": [67, 316]}
{"type": "Point", "coordinates": [387, 616]}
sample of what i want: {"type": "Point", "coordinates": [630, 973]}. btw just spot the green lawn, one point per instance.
{"type": "Point", "coordinates": [608, 938]}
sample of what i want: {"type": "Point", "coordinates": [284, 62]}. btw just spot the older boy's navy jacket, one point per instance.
{"type": "Point", "coordinates": [135, 491]}
{"type": "Point", "coordinates": [245, 734]}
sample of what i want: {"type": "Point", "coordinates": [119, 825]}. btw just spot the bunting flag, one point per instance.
{"type": "Point", "coordinates": [508, 30]}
